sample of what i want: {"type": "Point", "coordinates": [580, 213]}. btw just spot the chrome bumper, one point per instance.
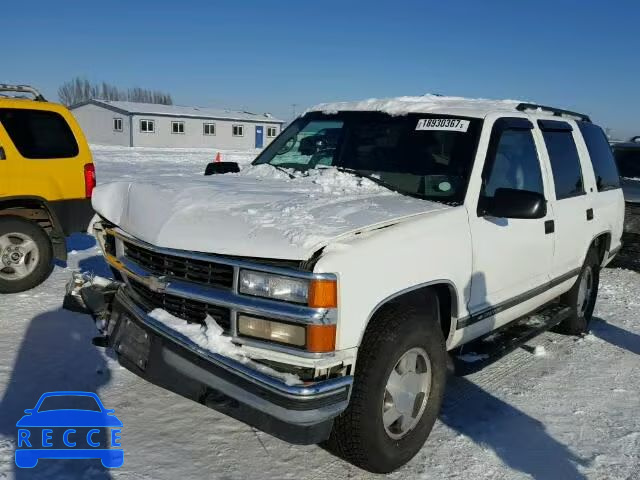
{"type": "Point", "coordinates": [297, 413]}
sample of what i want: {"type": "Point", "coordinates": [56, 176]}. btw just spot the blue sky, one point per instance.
{"type": "Point", "coordinates": [266, 56]}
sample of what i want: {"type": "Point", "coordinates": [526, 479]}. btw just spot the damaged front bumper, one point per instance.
{"type": "Point", "coordinates": [300, 414]}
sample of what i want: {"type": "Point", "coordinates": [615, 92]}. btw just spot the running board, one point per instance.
{"type": "Point", "coordinates": [478, 353]}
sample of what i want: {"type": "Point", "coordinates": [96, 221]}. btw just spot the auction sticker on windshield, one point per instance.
{"type": "Point", "coordinates": [447, 124]}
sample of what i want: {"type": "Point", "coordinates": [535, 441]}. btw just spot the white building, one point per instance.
{"type": "Point", "coordinates": [131, 124]}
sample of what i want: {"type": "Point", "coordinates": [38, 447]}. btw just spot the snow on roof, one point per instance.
{"type": "Point", "coordinates": [183, 111]}
{"type": "Point", "coordinates": [471, 107]}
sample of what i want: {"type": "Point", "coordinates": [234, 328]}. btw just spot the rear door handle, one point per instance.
{"type": "Point", "coordinates": [589, 214]}
{"type": "Point", "coordinates": [549, 227]}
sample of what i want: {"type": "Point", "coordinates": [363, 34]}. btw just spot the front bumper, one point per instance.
{"type": "Point", "coordinates": [300, 414]}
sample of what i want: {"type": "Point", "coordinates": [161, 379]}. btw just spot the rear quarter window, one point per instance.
{"type": "Point", "coordinates": [604, 165]}
{"type": "Point", "coordinates": [565, 162]}
{"type": "Point", "coordinates": [39, 134]}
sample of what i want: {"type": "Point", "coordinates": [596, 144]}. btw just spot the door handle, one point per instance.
{"type": "Point", "coordinates": [589, 214]}
{"type": "Point", "coordinates": [549, 227]}
{"type": "Point", "coordinates": [3, 156]}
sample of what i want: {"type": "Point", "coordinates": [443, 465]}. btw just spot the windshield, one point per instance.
{"type": "Point", "coordinates": [425, 156]}
{"type": "Point", "coordinates": [628, 160]}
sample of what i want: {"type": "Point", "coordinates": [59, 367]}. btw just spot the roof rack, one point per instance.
{"type": "Point", "coordinates": [23, 89]}
{"type": "Point", "coordinates": [555, 111]}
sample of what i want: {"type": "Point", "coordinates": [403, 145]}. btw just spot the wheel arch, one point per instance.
{"type": "Point", "coordinates": [602, 243]}
{"type": "Point", "coordinates": [446, 294]}
{"type": "Point", "coordinates": [37, 210]}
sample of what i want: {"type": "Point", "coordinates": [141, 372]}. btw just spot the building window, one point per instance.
{"type": "Point", "coordinates": [147, 126]}
{"type": "Point", "coordinates": [209, 128]}
{"type": "Point", "coordinates": [177, 127]}
{"type": "Point", "coordinates": [272, 132]}
{"type": "Point", "coordinates": [238, 130]}
{"type": "Point", "coordinates": [117, 124]}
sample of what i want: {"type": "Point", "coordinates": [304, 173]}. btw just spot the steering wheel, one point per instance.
{"type": "Point", "coordinates": [288, 146]}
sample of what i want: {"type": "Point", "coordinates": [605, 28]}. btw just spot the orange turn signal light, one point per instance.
{"type": "Point", "coordinates": [323, 294]}
{"type": "Point", "coordinates": [321, 338]}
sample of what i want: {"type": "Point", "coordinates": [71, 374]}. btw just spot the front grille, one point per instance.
{"type": "Point", "coordinates": [199, 271]}
{"type": "Point", "coordinates": [190, 310]}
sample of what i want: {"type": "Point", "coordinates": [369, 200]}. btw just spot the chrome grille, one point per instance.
{"type": "Point", "coordinates": [190, 310]}
{"type": "Point", "coordinates": [198, 271]}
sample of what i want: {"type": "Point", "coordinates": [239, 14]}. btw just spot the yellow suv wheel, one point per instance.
{"type": "Point", "coordinates": [26, 255]}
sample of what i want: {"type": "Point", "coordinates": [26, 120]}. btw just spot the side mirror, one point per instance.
{"type": "Point", "coordinates": [29, 411]}
{"type": "Point", "coordinates": [215, 168]}
{"type": "Point", "coordinates": [513, 203]}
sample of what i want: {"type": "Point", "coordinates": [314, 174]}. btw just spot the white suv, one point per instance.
{"type": "Point", "coordinates": [316, 293]}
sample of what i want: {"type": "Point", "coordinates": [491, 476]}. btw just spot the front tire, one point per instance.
{"type": "Point", "coordinates": [26, 255]}
{"type": "Point", "coordinates": [582, 297]}
{"type": "Point", "coordinates": [398, 389]}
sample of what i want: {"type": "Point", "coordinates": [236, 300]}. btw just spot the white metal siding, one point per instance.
{"type": "Point", "coordinates": [194, 137]}
{"type": "Point", "coordinates": [97, 124]}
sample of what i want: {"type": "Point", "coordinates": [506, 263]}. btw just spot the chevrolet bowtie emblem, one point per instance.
{"type": "Point", "coordinates": [157, 284]}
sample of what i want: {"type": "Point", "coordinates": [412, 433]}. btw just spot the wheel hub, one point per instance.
{"type": "Point", "coordinates": [19, 256]}
{"type": "Point", "coordinates": [406, 393]}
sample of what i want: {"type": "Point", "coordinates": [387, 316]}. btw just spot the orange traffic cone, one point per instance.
{"type": "Point", "coordinates": [218, 158]}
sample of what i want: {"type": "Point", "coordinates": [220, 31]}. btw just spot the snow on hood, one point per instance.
{"type": "Point", "coordinates": [259, 212]}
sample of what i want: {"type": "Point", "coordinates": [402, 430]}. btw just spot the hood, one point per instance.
{"type": "Point", "coordinates": [631, 189]}
{"type": "Point", "coordinates": [260, 212]}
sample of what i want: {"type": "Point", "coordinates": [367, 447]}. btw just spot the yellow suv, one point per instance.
{"type": "Point", "coordinates": [46, 180]}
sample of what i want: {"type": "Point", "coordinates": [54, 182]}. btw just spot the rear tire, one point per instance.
{"type": "Point", "coordinates": [26, 255]}
{"type": "Point", "coordinates": [366, 434]}
{"type": "Point", "coordinates": [582, 297]}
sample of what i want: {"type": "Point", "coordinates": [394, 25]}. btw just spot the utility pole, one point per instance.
{"type": "Point", "coordinates": [293, 108]}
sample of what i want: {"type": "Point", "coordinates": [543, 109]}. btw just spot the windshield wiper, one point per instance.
{"type": "Point", "coordinates": [386, 185]}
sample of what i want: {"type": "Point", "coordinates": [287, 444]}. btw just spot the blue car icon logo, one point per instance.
{"type": "Point", "coordinates": [69, 425]}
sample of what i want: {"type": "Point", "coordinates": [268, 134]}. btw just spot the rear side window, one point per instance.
{"type": "Point", "coordinates": [39, 134]}
{"type": "Point", "coordinates": [563, 155]}
{"type": "Point", "coordinates": [604, 166]}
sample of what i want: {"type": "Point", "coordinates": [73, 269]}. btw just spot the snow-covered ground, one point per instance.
{"type": "Point", "coordinates": [561, 408]}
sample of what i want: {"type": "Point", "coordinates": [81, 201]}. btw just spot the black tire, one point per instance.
{"type": "Point", "coordinates": [578, 322]}
{"type": "Point", "coordinates": [44, 265]}
{"type": "Point", "coordinates": [359, 435]}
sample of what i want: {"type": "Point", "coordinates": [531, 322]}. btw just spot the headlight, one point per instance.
{"type": "Point", "coordinates": [273, 331]}
{"type": "Point", "coordinates": [278, 287]}
{"type": "Point", "coordinates": [316, 293]}
{"type": "Point", "coordinates": [313, 338]}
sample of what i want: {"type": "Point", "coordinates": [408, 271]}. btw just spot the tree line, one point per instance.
{"type": "Point", "coordinates": [80, 90]}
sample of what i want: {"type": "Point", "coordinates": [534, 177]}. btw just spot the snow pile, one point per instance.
{"type": "Point", "coordinates": [540, 351]}
{"type": "Point", "coordinates": [330, 180]}
{"type": "Point", "coordinates": [425, 104]}
{"type": "Point", "coordinates": [210, 337]}
{"type": "Point", "coordinates": [265, 171]}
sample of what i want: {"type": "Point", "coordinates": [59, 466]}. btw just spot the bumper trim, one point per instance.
{"type": "Point", "coordinates": [295, 404]}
